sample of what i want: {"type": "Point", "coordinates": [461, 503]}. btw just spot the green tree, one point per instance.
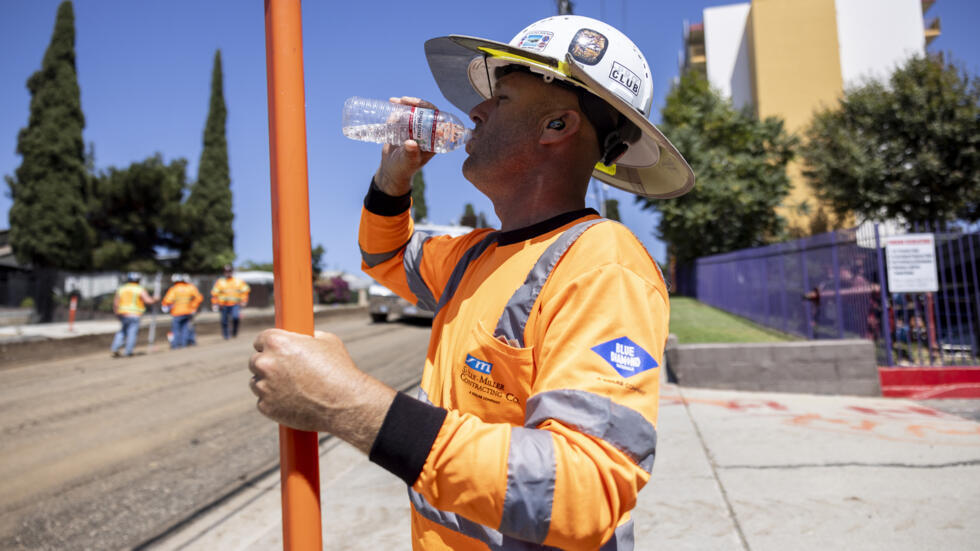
{"type": "Point", "coordinates": [420, 212]}
{"type": "Point", "coordinates": [481, 220]}
{"type": "Point", "coordinates": [316, 255]}
{"type": "Point", "coordinates": [612, 209]}
{"type": "Point", "coordinates": [210, 239]}
{"type": "Point", "coordinates": [48, 226]}
{"type": "Point", "coordinates": [908, 149]}
{"type": "Point", "coordinates": [469, 216]}
{"type": "Point", "coordinates": [740, 166]}
{"type": "Point", "coordinates": [135, 211]}
{"type": "Point", "coordinates": [258, 266]}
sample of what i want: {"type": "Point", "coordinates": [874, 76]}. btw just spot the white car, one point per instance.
{"type": "Point", "coordinates": [383, 303]}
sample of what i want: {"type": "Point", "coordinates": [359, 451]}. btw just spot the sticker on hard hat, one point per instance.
{"type": "Point", "coordinates": [535, 40]}
{"type": "Point", "coordinates": [422, 127]}
{"type": "Point", "coordinates": [624, 76]}
{"type": "Point", "coordinates": [588, 46]}
{"type": "Point", "coordinates": [625, 356]}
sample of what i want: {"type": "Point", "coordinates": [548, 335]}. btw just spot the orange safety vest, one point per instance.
{"type": "Point", "coordinates": [129, 300]}
{"type": "Point", "coordinates": [182, 299]}
{"type": "Point", "coordinates": [229, 291]}
{"type": "Point", "coordinates": [545, 353]}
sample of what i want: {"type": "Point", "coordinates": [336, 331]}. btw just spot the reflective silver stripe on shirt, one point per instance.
{"type": "Point", "coordinates": [373, 259]}
{"type": "Point", "coordinates": [518, 308]}
{"type": "Point", "coordinates": [469, 256]}
{"type": "Point", "coordinates": [412, 261]}
{"type": "Point", "coordinates": [493, 539]}
{"type": "Point", "coordinates": [530, 484]}
{"type": "Point", "coordinates": [598, 416]}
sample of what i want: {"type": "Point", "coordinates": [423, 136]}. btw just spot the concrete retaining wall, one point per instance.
{"type": "Point", "coordinates": [816, 367]}
{"type": "Point", "coordinates": [36, 349]}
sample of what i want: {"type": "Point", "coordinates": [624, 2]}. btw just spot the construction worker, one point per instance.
{"type": "Point", "coordinates": [535, 423]}
{"type": "Point", "coordinates": [129, 304]}
{"type": "Point", "coordinates": [229, 295]}
{"type": "Point", "coordinates": [181, 301]}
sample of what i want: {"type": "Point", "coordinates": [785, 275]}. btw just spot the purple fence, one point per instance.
{"type": "Point", "coordinates": [835, 285]}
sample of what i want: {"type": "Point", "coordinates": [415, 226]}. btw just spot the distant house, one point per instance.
{"type": "Point", "coordinates": [15, 278]}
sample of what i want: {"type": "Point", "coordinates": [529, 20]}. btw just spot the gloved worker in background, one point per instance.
{"type": "Point", "coordinates": [535, 424]}
{"type": "Point", "coordinates": [129, 304]}
{"type": "Point", "coordinates": [230, 295]}
{"type": "Point", "coordinates": [181, 301]}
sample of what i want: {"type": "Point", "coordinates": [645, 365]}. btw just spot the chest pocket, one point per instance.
{"type": "Point", "coordinates": [493, 379]}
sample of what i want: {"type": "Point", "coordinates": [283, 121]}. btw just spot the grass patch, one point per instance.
{"type": "Point", "coordinates": [694, 322]}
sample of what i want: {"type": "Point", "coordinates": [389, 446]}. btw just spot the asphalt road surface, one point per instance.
{"type": "Point", "coordinates": [100, 453]}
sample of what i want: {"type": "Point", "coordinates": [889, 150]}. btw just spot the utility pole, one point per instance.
{"type": "Point", "coordinates": [564, 7]}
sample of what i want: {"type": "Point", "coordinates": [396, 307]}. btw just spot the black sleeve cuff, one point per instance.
{"type": "Point", "coordinates": [382, 204]}
{"type": "Point", "coordinates": [406, 436]}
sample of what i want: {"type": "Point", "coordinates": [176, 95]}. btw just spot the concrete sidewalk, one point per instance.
{"type": "Point", "coordinates": [734, 470]}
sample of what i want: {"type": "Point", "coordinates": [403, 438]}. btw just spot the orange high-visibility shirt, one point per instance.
{"type": "Point", "coordinates": [540, 389]}
{"type": "Point", "coordinates": [229, 291]}
{"type": "Point", "coordinates": [182, 299]}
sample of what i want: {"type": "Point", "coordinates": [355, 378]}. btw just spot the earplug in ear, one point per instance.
{"type": "Point", "coordinates": [556, 124]}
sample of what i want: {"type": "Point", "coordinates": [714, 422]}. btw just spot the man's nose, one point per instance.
{"type": "Point", "coordinates": [479, 113]}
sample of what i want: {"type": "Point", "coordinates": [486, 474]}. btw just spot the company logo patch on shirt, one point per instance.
{"type": "Point", "coordinates": [625, 356]}
{"type": "Point", "coordinates": [535, 40]}
{"type": "Point", "coordinates": [477, 364]}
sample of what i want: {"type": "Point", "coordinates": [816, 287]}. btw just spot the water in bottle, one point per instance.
{"type": "Point", "coordinates": [380, 121]}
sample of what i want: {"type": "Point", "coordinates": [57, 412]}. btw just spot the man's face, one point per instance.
{"type": "Point", "coordinates": [507, 129]}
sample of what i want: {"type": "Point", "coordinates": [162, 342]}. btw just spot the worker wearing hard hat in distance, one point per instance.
{"type": "Point", "coordinates": [182, 300]}
{"type": "Point", "coordinates": [129, 304]}
{"type": "Point", "coordinates": [229, 295]}
{"type": "Point", "coordinates": [535, 424]}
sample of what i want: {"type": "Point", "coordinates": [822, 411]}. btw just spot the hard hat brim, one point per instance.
{"type": "Point", "coordinates": [652, 167]}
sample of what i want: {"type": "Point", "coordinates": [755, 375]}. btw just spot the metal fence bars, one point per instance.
{"type": "Point", "coordinates": [836, 285]}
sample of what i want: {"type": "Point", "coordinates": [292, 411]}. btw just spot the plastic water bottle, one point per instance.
{"type": "Point", "coordinates": [380, 121]}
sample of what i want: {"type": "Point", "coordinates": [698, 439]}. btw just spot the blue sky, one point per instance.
{"type": "Point", "coordinates": [144, 69]}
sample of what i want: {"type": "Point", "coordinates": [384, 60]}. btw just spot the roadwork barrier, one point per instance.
{"type": "Point", "coordinates": [844, 366]}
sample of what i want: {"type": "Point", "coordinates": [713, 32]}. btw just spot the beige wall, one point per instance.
{"type": "Point", "coordinates": [796, 70]}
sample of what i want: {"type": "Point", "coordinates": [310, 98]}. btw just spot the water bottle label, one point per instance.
{"type": "Point", "coordinates": [422, 127]}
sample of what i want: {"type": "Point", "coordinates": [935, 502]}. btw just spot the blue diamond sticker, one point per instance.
{"type": "Point", "coordinates": [625, 356]}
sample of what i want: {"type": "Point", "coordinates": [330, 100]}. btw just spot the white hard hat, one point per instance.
{"type": "Point", "coordinates": [586, 53]}
{"type": "Point", "coordinates": [178, 277]}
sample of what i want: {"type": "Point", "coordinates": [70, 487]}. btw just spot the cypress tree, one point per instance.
{"type": "Point", "coordinates": [420, 212]}
{"type": "Point", "coordinates": [48, 226]}
{"type": "Point", "coordinates": [469, 216]}
{"type": "Point", "coordinates": [210, 239]}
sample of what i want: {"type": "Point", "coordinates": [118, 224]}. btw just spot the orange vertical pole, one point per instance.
{"type": "Point", "coordinates": [298, 450]}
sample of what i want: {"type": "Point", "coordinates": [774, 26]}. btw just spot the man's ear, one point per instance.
{"type": "Point", "coordinates": [559, 126]}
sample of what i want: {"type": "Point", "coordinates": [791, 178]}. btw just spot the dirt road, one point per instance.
{"type": "Point", "coordinates": [97, 453]}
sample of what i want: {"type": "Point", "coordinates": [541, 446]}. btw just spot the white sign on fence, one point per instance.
{"type": "Point", "coordinates": [911, 260]}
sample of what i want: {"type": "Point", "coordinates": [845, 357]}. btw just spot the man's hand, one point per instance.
{"type": "Point", "coordinates": [400, 163]}
{"type": "Point", "coordinates": [311, 384]}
